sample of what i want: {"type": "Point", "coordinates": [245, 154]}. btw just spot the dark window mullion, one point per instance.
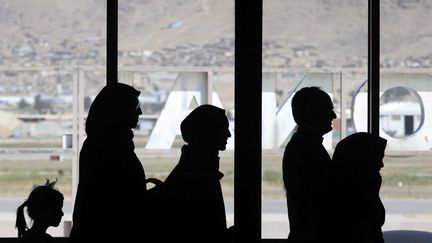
{"type": "Point", "coordinates": [248, 88]}
{"type": "Point", "coordinates": [112, 41]}
{"type": "Point", "coordinates": [373, 66]}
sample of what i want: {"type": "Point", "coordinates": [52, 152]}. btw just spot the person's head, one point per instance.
{"type": "Point", "coordinates": [313, 108]}
{"type": "Point", "coordinates": [361, 150]}
{"type": "Point", "coordinates": [206, 126]}
{"type": "Point", "coordinates": [44, 207]}
{"type": "Point", "coordinates": [116, 106]}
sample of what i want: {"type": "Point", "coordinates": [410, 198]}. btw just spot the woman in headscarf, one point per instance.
{"type": "Point", "coordinates": [111, 190]}
{"type": "Point", "coordinates": [196, 211]}
{"type": "Point", "coordinates": [359, 212]}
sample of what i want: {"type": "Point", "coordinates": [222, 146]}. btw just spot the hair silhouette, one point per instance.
{"type": "Point", "coordinates": [358, 211]}
{"type": "Point", "coordinates": [307, 101]}
{"type": "Point", "coordinates": [44, 207]}
{"type": "Point", "coordinates": [111, 193]}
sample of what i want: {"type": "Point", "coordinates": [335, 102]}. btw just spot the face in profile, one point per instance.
{"type": "Point", "coordinates": [216, 137]}
{"type": "Point", "coordinates": [130, 113]}
{"type": "Point", "coordinates": [317, 114]}
{"type": "Point", "coordinates": [116, 106]}
{"type": "Point", "coordinates": [313, 109]}
{"type": "Point", "coordinates": [323, 116]}
{"type": "Point", "coordinates": [55, 214]}
{"type": "Point", "coordinates": [206, 127]}
{"type": "Point", "coordinates": [135, 113]}
{"type": "Point", "coordinates": [222, 134]}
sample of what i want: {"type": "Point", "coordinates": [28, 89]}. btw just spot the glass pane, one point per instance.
{"type": "Point", "coordinates": [406, 94]}
{"type": "Point", "coordinates": [179, 54]}
{"type": "Point", "coordinates": [43, 43]}
{"type": "Point", "coordinates": [307, 43]}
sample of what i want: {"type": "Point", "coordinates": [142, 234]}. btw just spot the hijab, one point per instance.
{"type": "Point", "coordinates": [360, 150]}
{"type": "Point", "coordinates": [108, 114]}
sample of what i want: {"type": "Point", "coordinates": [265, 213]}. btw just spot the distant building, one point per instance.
{"type": "Point", "coordinates": [400, 119]}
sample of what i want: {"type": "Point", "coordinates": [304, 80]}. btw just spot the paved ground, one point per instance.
{"type": "Point", "coordinates": [401, 214]}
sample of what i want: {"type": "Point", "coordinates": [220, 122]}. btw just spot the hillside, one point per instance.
{"type": "Point", "coordinates": [297, 33]}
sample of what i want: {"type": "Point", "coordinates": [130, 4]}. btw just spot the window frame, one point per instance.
{"type": "Point", "coordinates": [248, 104]}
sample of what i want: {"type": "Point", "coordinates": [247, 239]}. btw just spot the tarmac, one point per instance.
{"type": "Point", "coordinates": [402, 214]}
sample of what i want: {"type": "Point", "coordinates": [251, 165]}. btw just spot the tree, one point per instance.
{"type": "Point", "coordinates": [41, 105]}
{"type": "Point", "coordinates": [23, 104]}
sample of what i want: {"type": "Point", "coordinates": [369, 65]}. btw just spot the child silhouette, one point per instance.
{"type": "Point", "coordinates": [44, 207]}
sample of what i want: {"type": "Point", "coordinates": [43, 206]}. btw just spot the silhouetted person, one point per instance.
{"type": "Point", "coordinates": [305, 163]}
{"type": "Point", "coordinates": [44, 207]}
{"type": "Point", "coordinates": [111, 191]}
{"type": "Point", "coordinates": [357, 160]}
{"type": "Point", "coordinates": [196, 205]}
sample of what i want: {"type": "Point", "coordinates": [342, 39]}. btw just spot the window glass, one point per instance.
{"type": "Point", "coordinates": [43, 45]}
{"type": "Point", "coordinates": [306, 43]}
{"type": "Point", "coordinates": [405, 115]}
{"type": "Point", "coordinates": [179, 54]}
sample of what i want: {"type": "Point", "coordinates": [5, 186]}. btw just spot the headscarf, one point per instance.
{"type": "Point", "coordinates": [205, 119]}
{"type": "Point", "coordinates": [360, 150]}
{"type": "Point", "coordinates": [108, 110]}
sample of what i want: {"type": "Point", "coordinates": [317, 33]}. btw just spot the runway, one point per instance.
{"type": "Point", "coordinates": [413, 214]}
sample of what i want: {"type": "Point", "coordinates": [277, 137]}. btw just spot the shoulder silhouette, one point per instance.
{"type": "Point", "coordinates": [44, 207]}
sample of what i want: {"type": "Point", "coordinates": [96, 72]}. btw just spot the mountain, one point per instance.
{"type": "Point", "coordinates": [297, 33]}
